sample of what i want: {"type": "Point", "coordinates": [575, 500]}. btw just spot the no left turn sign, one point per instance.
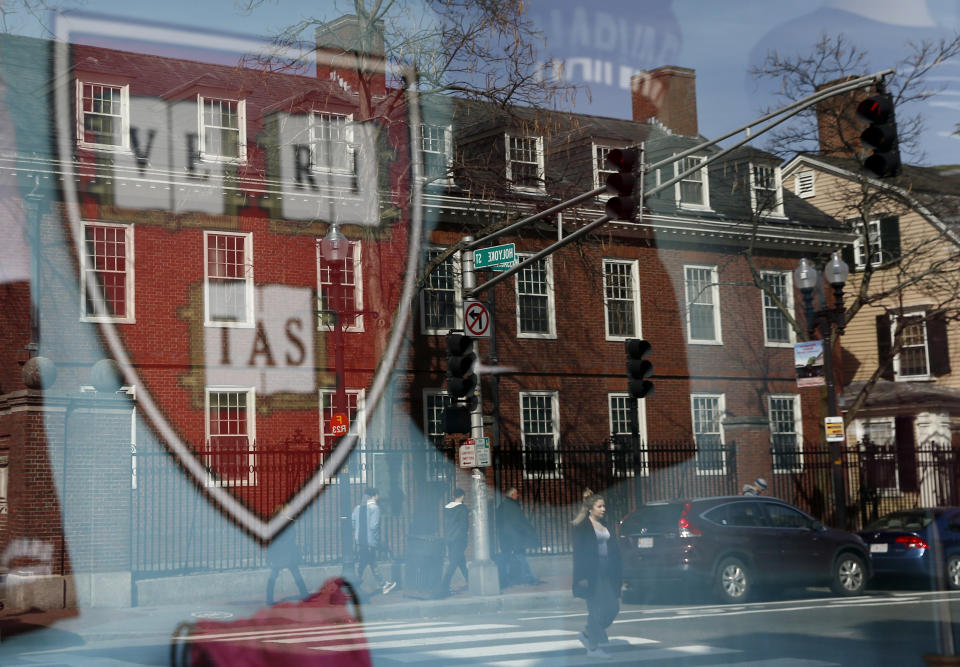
{"type": "Point", "coordinates": [476, 319]}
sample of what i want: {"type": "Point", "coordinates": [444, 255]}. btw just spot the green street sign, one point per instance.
{"type": "Point", "coordinates": [497, 258]}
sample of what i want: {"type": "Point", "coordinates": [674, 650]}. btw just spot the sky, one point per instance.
{"type": "Point", "coordinates": [720, 40]}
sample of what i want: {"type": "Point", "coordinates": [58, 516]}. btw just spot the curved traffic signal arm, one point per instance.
{"type": "Point", "coordinates": [880, 135]}
{"type": "Point", "coordinates": [622, 206]}
{"type": "Point", "coordinates": [638, 368]}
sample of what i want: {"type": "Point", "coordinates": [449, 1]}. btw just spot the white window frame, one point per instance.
{"type": "Point", "coordinates": [714, 289]}
{"type": "Point", "coordinates": [4, 482]}
{"type": "Point", "coordinates": [457, 295]}
{"type": "Point", "coordinates": [129, 282]}
{"type": "Point", "coordinates": [318, 119]}
{"type": "Point", "coordinates": [601, 169]}
{"type": "Point", "coordinates": [682, 165]}
{"type": "Point", "coordinates": [438, 468]}
{"type": "Point", "coordinates": [357, 424]}
{"type": "Point", "coordinates": [447, 151]}
{"type": "Point", "coordinates": [248, 321]}
{"type": "Point", "coordinates": [804, 183]}
{"type": "Point", "coordinates": [861, 427]}
{"type": "Point", "coordinates": [356, 250]}
{"type": "Point", "coordinates": [776, 210]}
{"type": "Point", "coordinates": [766, 305]}
{"type": "Point", "coordinates": [206, 156]}
{"type": "Point", "coordinates": [634, 273]}
{"type": "Point", "coordinates": [124, 116]}
{"type": "Point", "coordinates": [250, 479]}
{"type": "Point", "coordinates": [551, 332]}
{"type": "Point", "coordinates": [554, 397]}
{"type": "Point", "coordinates": [721, 409]}
{"type": "Point", "coordinates": [921, 315]}
{"type": "Point", "coordinates": [538, 147]}
{"type": "Point", "coordinates": [797, 430]}
{"type": "Point", "coordinates": [622, 399]}
{"type": "Point", "coordinates": [873, 234]}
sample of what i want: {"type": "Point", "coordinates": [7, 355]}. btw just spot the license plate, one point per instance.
{"type": "Point", "coordinates": [645, 543]}
{"type": "Point", "coordinates": [878, 548]}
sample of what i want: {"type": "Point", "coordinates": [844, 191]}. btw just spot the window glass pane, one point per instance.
{"type": "Point", "coordinates": [106, 269]}
{"type": "Point", "coordinates": [620, 298]}
{"type": "Point", "coordinates": [433, 143]}
{"type": "Point", "coordinates": [706, 432]}
{"type": "Point", "coordinates": [699, 284]}
{"type": "Point", "coordinates": [775, 320]}
{"type": "Point", "coordinates": [524, 165]}
{"type": "Point", "coordinates": [338, 287]}
{"type": "Point", "coordinates": [102, 110]}
{"type": "Point", "coordinates": [539, 440]}
{"type": "Point", "coordinates": [783, 433]}
{"type": "Point", "coordinates": [691, 187]}
{"type": "Point", "coordinates": [439, 295]}
{"type": "Point", "coordinates": [331, 137]}
{"type": "Point", "coordinates": [912, 360]}
{"type": "Point", "coordinates": [534, 299]}
{"type": "Point", "coordinates": [227, 277]}
{"type": "Point", "coordinates": [221, 128]}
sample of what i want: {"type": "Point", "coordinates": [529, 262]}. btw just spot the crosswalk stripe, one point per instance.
{"type": "Point", "coordinates": [630, 657]}
{"type": "Point", "coordinates": [436, 641]}
{"type": "Point", "coordinates": [779, 662]}
{"type": "Point", "coordinates": [272, 631]}
{"type": "Point", "coordinates": [359, 632]}
{"type": "Point", "coordinates": [513, 649]}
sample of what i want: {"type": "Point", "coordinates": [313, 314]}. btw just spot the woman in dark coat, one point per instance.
{"type": "Point", "coordinates": [597, 572]}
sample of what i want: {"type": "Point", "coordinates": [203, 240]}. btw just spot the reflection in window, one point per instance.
{"type": "Point", "coordinates": [229, 279]}
{"type": "Point", "coordinates": [439, 298]}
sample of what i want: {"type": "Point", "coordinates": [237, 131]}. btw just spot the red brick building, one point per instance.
{"type": "Point", "coordinates": [184, 214]}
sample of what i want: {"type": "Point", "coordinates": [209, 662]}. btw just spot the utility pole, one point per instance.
{"type": "Point", "coordinates": [484, 578]}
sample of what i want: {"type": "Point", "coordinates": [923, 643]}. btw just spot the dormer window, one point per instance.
{"type": "Point", "coordinates": [766, 192]}
{"type": "Point", "coordinates": [601, 169]}
{"type": "Point", "coordinates": [331, 142]}
{"type": "Point", "coordinates": [525, 163]}
{"type": "Point", "coordinates": [436, 149]}
{"type": "Point", "coordinates": [692, 191]}
{"type": "Point", "coordinates": [103, 115]}
{"type": "Point", "coordinates": [223, 129]}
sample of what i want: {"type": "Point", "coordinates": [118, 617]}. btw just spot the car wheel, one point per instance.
{"type": "Point", "coordinates": [734, 581]}
{"type": "Point", "coordinates": [952, 573]}
{"type": "Point", "coordinates": [849, 575]}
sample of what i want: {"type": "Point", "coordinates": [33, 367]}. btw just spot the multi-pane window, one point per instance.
{"type": "Point", "coordinates": [776, 328]}
{"type": "Point", "coordinates": [785, 437]}
{"type": "Point", "coordinates": [354, 408]}
{"type": "Point", "coordinates": [535, 311]}
{"type": "Point", "coordinates": [435, 148]}
{"type": "Point", "coordinates": [600, 167]}
{"type": "Point", "coordinates": [620, 298]}
{"type": "Point", "coordinates": [230, 431]}
{"type": "Point", "coordinates": [332, 142]}
{"type": "Point", "coordinates": [707, 409]}
{"type": "Point", "coordinates": [107, 282]}
{"type": "Point", "coordinates": [340, 288]}
{"type": "Point", "coordinates": [440, 298]}
{"type": "Point", "coordinates": [868, 237]}
{"type": "Point", "coordinates": [692, 188]}
{"type": "Point", "coordinates": [223, 133]}
{"type": "Point", "coordinates": [539, 423]}
{"type": "Point", "coordinates": [913, 360]}
{"type": "Point", "coordinates": [765, 196]}
{"type": "Point", "coordinates": [703, 296]}
{"type": "Point", "coordinates": [620, 407]}
{"type": "Point", "coordinates": [434, 402]}
{"type": "Point", "coordinates": [103, 115]}
{"type": "Point", "coordinates": [525, 162]}
{"type": "Point", "coordinates": [228, 279]}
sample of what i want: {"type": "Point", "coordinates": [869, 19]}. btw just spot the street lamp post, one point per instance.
{"type": "Point", "coordinates": [334, 249]}
{"type": "Point", "coordinates": [807, 278]}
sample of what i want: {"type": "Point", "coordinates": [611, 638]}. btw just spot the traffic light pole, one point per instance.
{"type": "Point", "coordinates": [484, 578]}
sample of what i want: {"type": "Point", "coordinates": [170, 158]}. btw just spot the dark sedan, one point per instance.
{"type": "Point", "coordinates": [902, 544]}
{"type": "Point", "coordinates": [732, 544]}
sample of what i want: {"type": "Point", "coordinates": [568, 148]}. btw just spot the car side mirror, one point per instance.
{"type": "Point", "coordinates": [818, 527]}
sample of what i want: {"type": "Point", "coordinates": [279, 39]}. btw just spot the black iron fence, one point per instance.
{"type": "Point", "coordinates": [175, 529]}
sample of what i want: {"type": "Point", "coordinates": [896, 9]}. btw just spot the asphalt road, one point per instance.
{"type": "Point", "coordinates": [809, 629]}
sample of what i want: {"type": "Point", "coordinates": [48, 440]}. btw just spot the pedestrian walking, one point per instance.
{"type": "Point", "coordinates": [456, 527]}
{"type": "Point", "coordinates": [516, 534]}
{"type": "Point", "coordinates": [597, 572]}
{"type": "Point", "coordinates": [366, 533]}
{"type": "Point", "coordinates": [284, 554]}
{"type": "Point", "coordinates": [756, 488]}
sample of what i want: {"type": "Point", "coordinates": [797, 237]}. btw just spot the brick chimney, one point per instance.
{"type": "Point", "coordinates": [668, 94]}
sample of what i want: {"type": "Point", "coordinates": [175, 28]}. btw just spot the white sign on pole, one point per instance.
{"type": "Point", "coordinates": [468, 456]}
{"type": "Point", "coordinates": [834, 429]}
{"type": "Point", "coordinates": [483, 452]}
{"type": "Point", "coordinates": [476, 319]}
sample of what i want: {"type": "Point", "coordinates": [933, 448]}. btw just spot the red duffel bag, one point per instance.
{"type": "Point", "coordinates": [320, 630]}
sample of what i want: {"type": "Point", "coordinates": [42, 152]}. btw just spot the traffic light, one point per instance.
{"type": "Point", "coordinates": [461, 383]}
{"type": "Point", "coordinates": [638, 368]}
{"type": "Point", "coordinates": [881, 135]}
{"type": "Point", "coordinates": [622, 206]}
